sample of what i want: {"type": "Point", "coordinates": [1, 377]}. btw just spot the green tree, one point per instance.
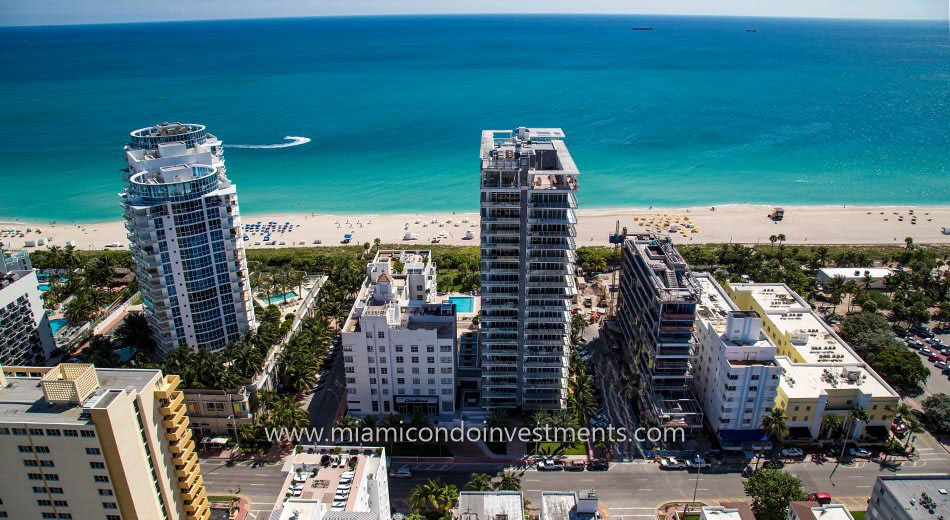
{"type": "Point", "coordinates": [479, 482]}
{"type": "Point", "coordinates": [937, 412]}
{"type": "Point", "coordinates": [508, 481]}
{"type": "Point", "coordinates": [772, 490]}
{"type": "Point", "coordinates": [831, 425]}
{"type": "Point", "coordinates": [901, 368]}
{"type": "Point", "coordinates": [835, 288]}
{"type": "Point", "coordinates": [776, 424]}
{"type": "Point", "coordinates": [434, 498]}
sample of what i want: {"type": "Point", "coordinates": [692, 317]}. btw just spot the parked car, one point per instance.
{"type": "Point", "coordinates": [402, 472]}
{"type": "Point", "coordinates": [946, 370]}
{"type": "Point", "coordinates": [598, 465]}
{"type": "Point", "coordinates": [899, 428]}
{"type": "Point", "coordinates": [821, 498]}
{"type": "Point", "coordinates": [859, 453]}
{"type": "Point", "coordinates": [940, 364]}
{"type": "Point", "coordinates": [575, 465]}
{"type": "Point", "coordinates": [550, 465]}
{"type": "Point", "coordinates": [793, 453]}
{"type": "Point", "coordinates": [671, 463]}
{"type": "Point", "coordinates": [697, 463]}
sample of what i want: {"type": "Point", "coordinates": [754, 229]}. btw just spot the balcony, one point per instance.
{"type": "Point", "coordinates": [176, 431]}
{"type": "Point", "coordinates": [171, 383]}
{"type": "Point", "coordinates": [174, 403]}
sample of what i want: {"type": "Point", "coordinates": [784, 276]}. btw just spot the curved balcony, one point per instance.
{"type": "Point", "coordinates": [168, 186]}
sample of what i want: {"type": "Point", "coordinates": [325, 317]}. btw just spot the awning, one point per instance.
{"type": "Point", "coordinates": [731, 436]}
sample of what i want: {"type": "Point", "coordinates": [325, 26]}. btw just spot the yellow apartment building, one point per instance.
{"type": "Point", "coordinates": [822, 375]}
{"type": "Point", "coordinates": [110, 444]}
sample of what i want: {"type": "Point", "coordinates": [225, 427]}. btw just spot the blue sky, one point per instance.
{"type": "Point", "coordinates": [43, 12]}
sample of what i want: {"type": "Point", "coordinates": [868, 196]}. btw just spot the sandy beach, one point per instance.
{"type": "Point", "coordinates": [748, 224]}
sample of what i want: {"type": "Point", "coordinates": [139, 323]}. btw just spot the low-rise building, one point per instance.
{"type": "Point", "coordinates": [736, 376]}
{"type": "Point", "coordinates": [816, 511]}
{"type": "Point", "coordinates": [25, 334]}
{"type": "Point", "coordinates": [218, 412]}
{"type": "Point", "coordinates": [91, 443]}
{"type": "Point", "coordinates": [332, 482]}
{"type": "Point", "coordinates": [909, 497]}
{"type": "Point", "coordinates": [822, 375]}
{"type": "Point", "coordinates": [490, 505]}
{"type": "Point", "coordinates": [570, 505]}
{"type": "Point", "coordinates": [14, 261]}
{"type": "Point", "coordinates": [867, 277]}
{"type": "Point", "coordinates": [727, 511]}
{"type": "Point", "coordinates": [399, 342]}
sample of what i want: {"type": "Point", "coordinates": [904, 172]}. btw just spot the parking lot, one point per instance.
{"type": "Point", "coordinates": [934, 353]}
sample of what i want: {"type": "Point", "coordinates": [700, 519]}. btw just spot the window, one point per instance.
{"type": "Point", "coordinates": [398, 359]}
{"type": "Point", "coordinates": [398, 348]}
{"type": "Point", "coordinates": [415, 359]}
{"type": "Point", "coordinates": [109, 505]}
{"type": "Point", "coordinates": [381, 335]}
{"type": "Point", "coordinates": [53, 433]}
{"type": "Point", "coordinates": [100, 478]}
{"type": "Point", "coordinates": [430, 359]}
{"type": "Point", "coordinates": [430, 370]}
{"type": "Point", "coordinates": [400, 380]}
{"type": "Point", "coordinates": [105, 492]}
{"type": "Point", "coordinates": [88, 433]}
{"type": "Point", "coordinates": [414, 348]}
{"type": "Point", "coordinates": [430, 349]}
{"type": "Point", "coordinates": [97, 451]}
{"type": "Point", "coordinates": [97, 465]}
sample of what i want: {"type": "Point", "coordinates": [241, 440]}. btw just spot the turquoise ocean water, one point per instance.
{"type": "Point", "coordinates": [698, 111]}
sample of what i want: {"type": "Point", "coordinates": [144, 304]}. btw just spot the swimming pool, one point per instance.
{"type": "Point", "coordinates": [57, 324]}
{"type": "Point", "coordinates": [463, 303]}
{"type": "Point", "coordinates": [279, 298]}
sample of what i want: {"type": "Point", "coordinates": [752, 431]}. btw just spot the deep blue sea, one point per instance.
{"type": "Point", "coordinates": [698, 111]}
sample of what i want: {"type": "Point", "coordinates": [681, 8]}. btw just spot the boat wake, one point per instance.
{"type": "Point", "coordinates": [294, 141]}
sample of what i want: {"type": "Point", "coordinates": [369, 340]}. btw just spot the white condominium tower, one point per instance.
{"type": "Point", "coordinates": [399, 341]}
{"type": "Point", "coordinates": [183, 224]}
{"type": "Point", "coordinates": [106, 444]}
{"type": "Point", "coordinates": [528, 185]}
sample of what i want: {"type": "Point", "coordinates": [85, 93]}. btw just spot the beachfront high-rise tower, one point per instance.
{"type": "Point", "coordinates": [184, 229]}
{"type": "Point", "coordinates": [528, 186]}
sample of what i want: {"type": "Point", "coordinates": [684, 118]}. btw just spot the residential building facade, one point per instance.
{"type": "Point", "coordinates": [184, 229]}
{"type": "Point", "coordinates": [25, 334]}
{"type": "Point", "coordinates": [528, 218]}
{"type": "Point", "coordinates": [657, 313]}
{"type": "Point", "coordinates": [399, 341]}
{"type": "Point", "coordinates": [85, 443]}
{"type": "Point", "coordinates": [218, 412]}
{"type": "Point", "coordinates": [821, 374]}
{"type": "Point", "coordinates": [735, 377]}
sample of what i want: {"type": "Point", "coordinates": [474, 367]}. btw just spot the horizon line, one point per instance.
{"type": "Point", "coordinates": [461, 15]}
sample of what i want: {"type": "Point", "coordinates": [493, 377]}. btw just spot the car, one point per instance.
{"type": "Point", "coordinates": [934, 357]}
{"type": "Point", "coordinates": [671, 463]}
{"type": "Point", "coordinates": [550, 465]}
{"type": "Point", "coordinates": [899, 427]}
{"type": "Point", "coordinates": [940, 364]}
{"type": "Point", "coordinates": [946, 370]}
{"type": "Point", "coordinates": [402, 472]}
{"type": "Point", "coordinates": [697, 463]}
{"type": "Point", "coordinates": [924, 351]}
{"type": "Point", "coordinates": [598, 465]}
{"type": "Point", "coordinates": [821, 498]}
{"type": "Point", "coordinates": [793, 453]}
{"type": "Point", "coordinates": [575, 465]}
{"type": "Point", "coordinates": [859, 453]}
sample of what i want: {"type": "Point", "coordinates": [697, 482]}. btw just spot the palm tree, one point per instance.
{"type": "Point", "coordinates": [79, 310]}
{"type": "Point", "coordinates": [835, 287]}
{"type": "Point", "coordinates": [776, 424]}
{"type": "Point", "coordinates": [856, 414]}
{"type": "Point", "coordinates": [433, 496]}
{"type": "Point", "coordinates": [498, 419]}
{"type": "Point", "coordinates": [831, 424]}
{"type": "Point", "coordinates": [54, 253]}
{"type": "Point", "coordinates": [821, 254]}
{"type": "Point", "coordinates": [70, 257]}
{"type": "Point", "coordinates": [479, 482]}
{"type": "Point", "coordinates": [852, 289]}
{"type": "Point", "coordinates": [773, 239]}
{"type": "Point", "coordinates": [508, 481]}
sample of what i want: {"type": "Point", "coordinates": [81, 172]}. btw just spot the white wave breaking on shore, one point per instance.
{"type": "Point", "coordinates": [295, 140]}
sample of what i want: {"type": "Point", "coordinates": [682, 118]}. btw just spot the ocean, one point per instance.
{"type": "Point", "coordinates": [698, 111]}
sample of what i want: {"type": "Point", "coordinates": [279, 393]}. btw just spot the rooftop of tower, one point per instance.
{"type": "Point", "coordinates": [548, 159]}
{"type": "Point", "coordinates": [166, 132]}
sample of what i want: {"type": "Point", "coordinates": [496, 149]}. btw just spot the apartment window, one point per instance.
{"type": "Point", "coordinates": [349, 370]}
{"type": "Point", "coordinates": [56, 490]}
{"type": "Point", "coordinates": [100, 478]}
{"type": "Point", "coordinates": [431, 381]}
{"type": "Point", "coordinates": [400, 380]}
{"type": "Point", "coordinates": [400, 370]}
{"type": "Point", "coordinates": [347, 359]}
{"type": "Point", "coordinates": [88, 433]}
{"type": "Point", "coordinates": [398, 359]}
{"type": "Point", "coordinates": [97, 465]}
{"type": "Point", "coordinates": [415, 370]}
{"type": "Point", "coordinates": [414, 348]}
{"type": "Point", "coordinates": [53, 433]}
{"type": "Point", "coordinates": [42, 502]}
{"type": "Point", "coordinates": [372, 380]}
{"type": "Point", "coordinates": [369, 348]}
{"type": "Point", "coordinates": [105, 492]}
{"type": "Point", "coordinates": [19, 431]}
{"type": "Point", "coordinates": [112, 517]}
{"type": "Point", "coordinates": [445, 348]}
{"type": "Point", "coordinates": [49, 515]}
{"type": "Point", "coordinates": [398, 348]}
{"type": "Point", "coordinates": [430, 349]}
{"type": "Point", "coordinates": [445, 359]}
{"type": "Point", "coordinates": [109, 505]}
{"type": "Point", "coordinates": [381, 335]}
{"type": "Point", "coordinates": [4, 431]}
{"type": "Point", "coordinates": [97, 451]}
{"type": "Point", "coordinates": [369, 334]}
{"type": "Point", "coordinates": [415, 359]}
{"type": "Point", "coordinates": [60, 503]}
{"type": "Point", "coordinates": [416, 381]}
{"type": "Point", "coordinates": [384, 370]}
{"type": "Point", "coordinates": [372, 370]}
{"type": "Point", "coordinates": [382, 359]}
{"type": "Point", "coordinates": [446, 380]}
{"type": "Point", "coordinates": [430, 370]}
{"type": "Point", "coordinates": [36, 431]}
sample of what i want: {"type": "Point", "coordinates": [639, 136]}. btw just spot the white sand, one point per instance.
{"type": "Point", "coordinates": [737, 223]}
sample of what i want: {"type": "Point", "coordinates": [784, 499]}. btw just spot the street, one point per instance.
{"type": "Point", "coordinates": [260, 484]}
{"type": "Point", "coordinates": [323, 404]}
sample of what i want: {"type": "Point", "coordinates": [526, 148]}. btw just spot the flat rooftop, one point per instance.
{"type": "Point", "coordinates": [856, 272]}
{"type": "Point", "coordinates": [912, 487]}
{"type": "Point", "coordinates": [22, 399]}
{"type": "Point", "coordinates": [328, 478]}
{"type": "Point", "coordinates": [669, 273]}
{"type": "Point", "coordinates": [488, 505]}
{"type": "Point", "coordinates": [805, 380]}
{"type": "Point", "coordinates": [528, 140]}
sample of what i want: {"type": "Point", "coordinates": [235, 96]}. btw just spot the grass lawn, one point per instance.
{"type": "Point", "coordinates": [858, 515]}
{"type": "Point", "coordinates": [577, 448]}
